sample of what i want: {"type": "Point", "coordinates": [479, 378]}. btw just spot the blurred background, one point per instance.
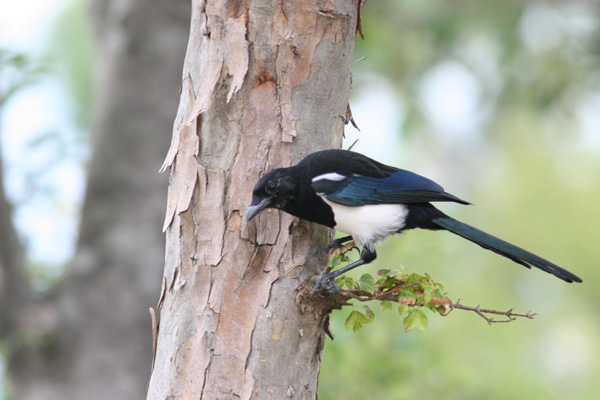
{"type": "Point", "coordinates": [497, 101]}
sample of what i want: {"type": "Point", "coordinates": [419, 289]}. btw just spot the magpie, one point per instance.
{"type": "Point", "coordinates": [370, 201]}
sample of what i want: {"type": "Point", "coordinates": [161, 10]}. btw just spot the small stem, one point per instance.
{"type": "Point", "coordinates": [509, 314]}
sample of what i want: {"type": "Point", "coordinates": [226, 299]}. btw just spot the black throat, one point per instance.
{"type": "Point", "coordinates": [305, 203]}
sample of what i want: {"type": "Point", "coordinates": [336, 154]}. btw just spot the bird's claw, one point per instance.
{"type": "Point", "coordinates": [326, 283]}
{"type": "Point", "coordinates": [334, 245]}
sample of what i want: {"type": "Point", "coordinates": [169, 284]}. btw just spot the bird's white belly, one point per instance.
{"type": "Point", "coordinates": [370, 223]}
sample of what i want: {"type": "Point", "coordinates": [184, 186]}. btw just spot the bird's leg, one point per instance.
{"type": "Point", "coordinates": [327, 281]}
{"type": "Point", "coordinates": [334, 245]}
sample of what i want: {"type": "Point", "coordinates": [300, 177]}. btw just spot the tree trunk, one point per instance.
{"type": "Point", "coordinates": [101, 344]}
{"type": "Point", "coordinates": [264, 84]}
{"type": "Point", "coordinates": [13, 285]}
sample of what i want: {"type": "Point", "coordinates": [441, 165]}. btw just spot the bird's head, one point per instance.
{"type": "Point", "coordinates": [274, 190]}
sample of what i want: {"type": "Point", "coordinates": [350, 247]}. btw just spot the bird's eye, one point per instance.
{"type": "Point", "coordinates": [271, 187]}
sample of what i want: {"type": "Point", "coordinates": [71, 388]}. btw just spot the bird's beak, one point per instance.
{"type": "Point", "coordinates": [255, 209]}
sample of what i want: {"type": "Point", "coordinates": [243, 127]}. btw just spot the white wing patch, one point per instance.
{"type": "Point", "coordinates": [330, 176]}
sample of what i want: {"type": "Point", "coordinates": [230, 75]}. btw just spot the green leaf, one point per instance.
{"type": "Point", "coordinates": [366, 283]}
{"type": "Point", "coordinates": [427, 295]}
{"type": "Point", "coordinates": [390, 282]}
{"type": "Point", "coordinates": [412, 278]}
{"type": "Point", "coordinates": [403, 309]}
{"type": "Point", "coordinates": [356, 320]}
{"type": "Point", "coordinates": [335, 261]}
{"type": "Point", "coordinates": [386, 305]}
{"type": "Point", "coordinates": [369, 314]}
{"type": "Point", "coordinates": [415, 319]}
{"type": "Point", "coordinates": [410, 292]}
{"type": "Point", "coordinates": [384, 272]}
{"type": "Point", "coordinates": [344, 257]}
{"type": "Point", "coordinates": [349, 283]}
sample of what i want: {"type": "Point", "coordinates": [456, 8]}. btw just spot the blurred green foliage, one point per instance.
{"type": "Point", "coordinates": [71, 47]}
{"type": "Point", "coordinates": [16, 72]}
{"type": "Point", "coordinates": [59, 66]}
{"type": "Point", "coordinates": [533, 172]}
{"type": "Point", "coordinates": [540, 55]}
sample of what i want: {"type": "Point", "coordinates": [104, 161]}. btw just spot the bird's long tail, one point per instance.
{"type": "Point", "coordinates": [503, 248]}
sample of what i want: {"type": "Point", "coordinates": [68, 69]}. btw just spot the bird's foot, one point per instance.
{"type": "Point", "coordinates": [341, 245]}
{"type": "Point", "coordinates": [326, 283]}
{"type": "Point", "coordinates": [336, 246]}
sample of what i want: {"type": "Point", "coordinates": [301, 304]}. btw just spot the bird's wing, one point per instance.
{"type": "Point", "coordinates": [399, 187]}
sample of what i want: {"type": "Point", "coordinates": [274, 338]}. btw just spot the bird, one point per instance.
{"type": "Point", "coordinates": [369, 201]}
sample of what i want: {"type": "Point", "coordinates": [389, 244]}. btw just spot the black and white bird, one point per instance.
{"type": "Point", "coordinates": [370, 201]}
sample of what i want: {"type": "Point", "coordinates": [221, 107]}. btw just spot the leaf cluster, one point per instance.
{"type": "Point", "coordinates": [408, 293]}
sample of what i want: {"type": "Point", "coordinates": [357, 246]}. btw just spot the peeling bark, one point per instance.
{"type": "Point", "coordinates": [265, 83]}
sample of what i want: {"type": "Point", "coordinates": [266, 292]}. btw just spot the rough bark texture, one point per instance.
{"type": "Point", "coordinates": [101, 345]}
{"type": "Point", "coordinates": [265, 83]}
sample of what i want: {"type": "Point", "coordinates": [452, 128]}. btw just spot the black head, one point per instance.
{"type": "Point", "coordinates": [276, 189]}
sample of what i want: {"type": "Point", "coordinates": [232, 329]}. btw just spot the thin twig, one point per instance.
{"type": "Point", "coordinates": [352, 145]}
{"type": "Point", "coordinates": [364, 296]}
{"type": "Point", "coordinates": [357, 61]}
{"type": "Point", "coordinates": [394, 289]}
{"type": "Point", "coordinates": [509, 314]}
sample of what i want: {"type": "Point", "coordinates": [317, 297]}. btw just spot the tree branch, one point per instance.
{"type": "Point", "coordinates": [382, 290]}
{"type": "Point", "coordinates": [390, 295]}
{"type": "Point", "coordinates": [387, 295]}
{"type": "Point", "coordinates": [509, 314]}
